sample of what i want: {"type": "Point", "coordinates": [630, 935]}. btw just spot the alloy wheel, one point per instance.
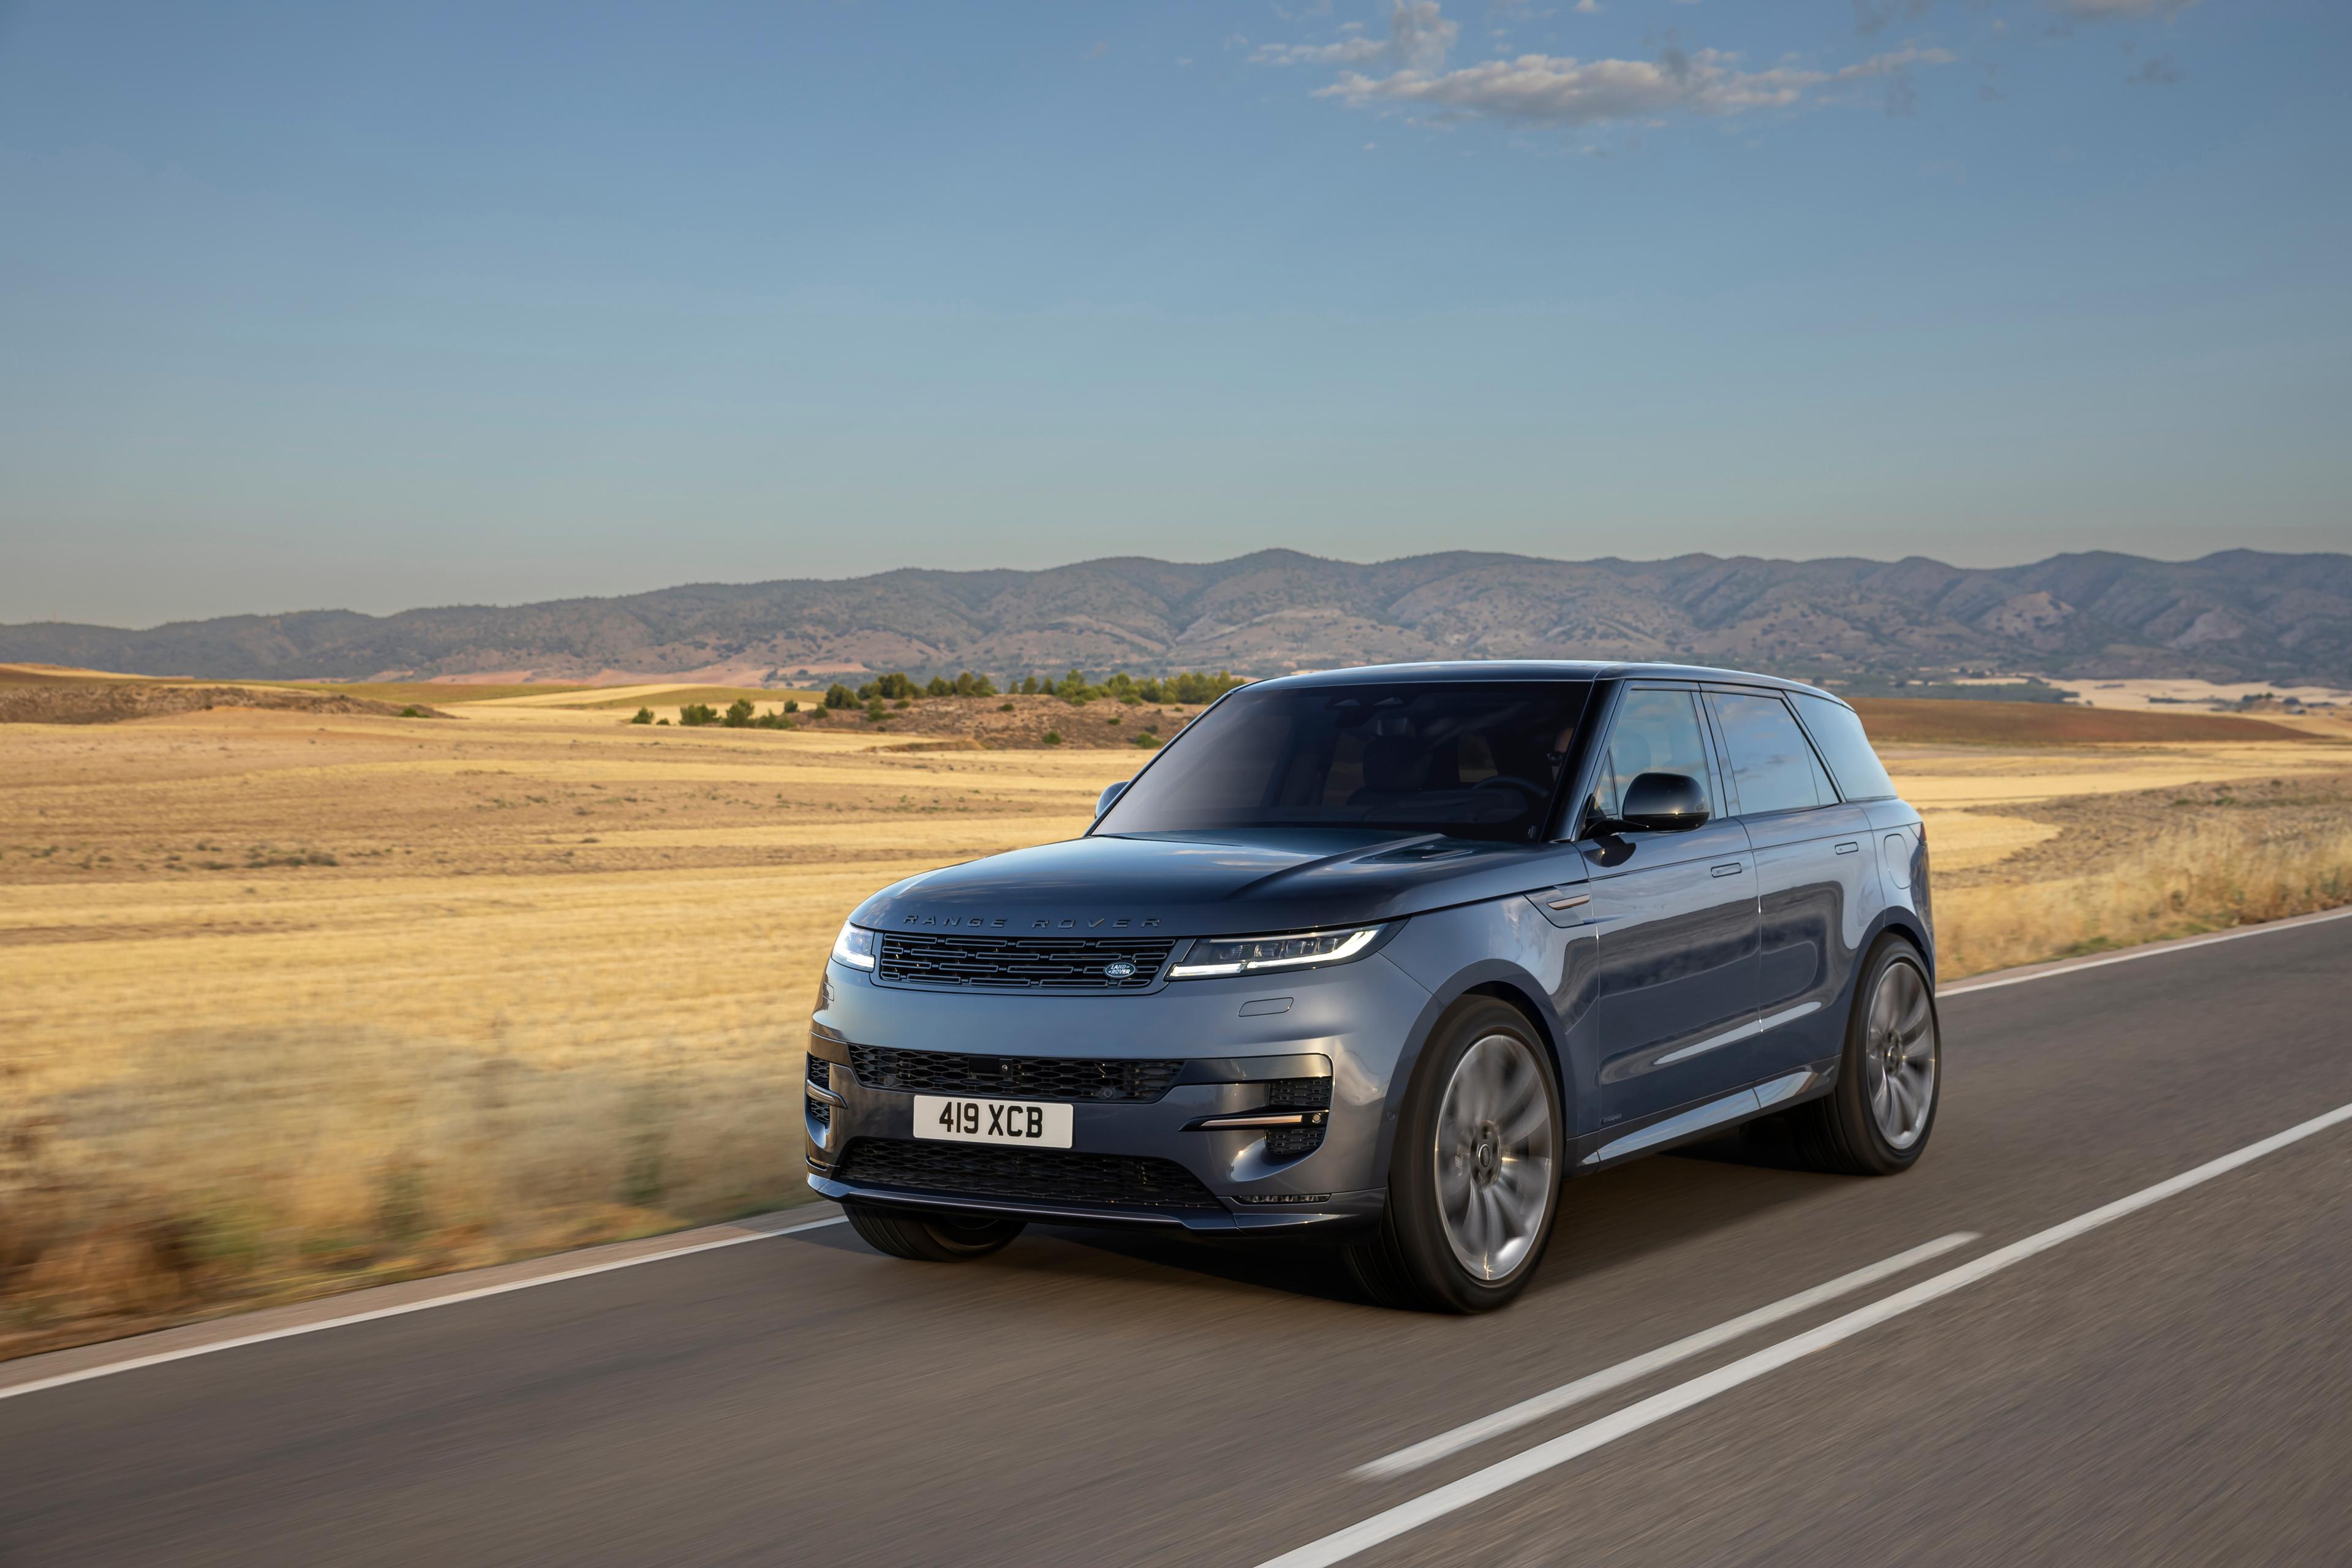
{"type": "Point", "coordinates": [1899, 1056]}
{"type": "Point", "coordinates": [1493, 1156]}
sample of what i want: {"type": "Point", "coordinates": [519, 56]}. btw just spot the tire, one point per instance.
{"type": "Point", "coordinates": [930, 1237]}
{"type": "Point", "coordinates": [1872, 1123]}
{"type": "Point", "coordinates": [1474, 1181]}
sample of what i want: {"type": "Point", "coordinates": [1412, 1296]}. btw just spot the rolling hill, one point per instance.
{"type": "Point", "coordinates": [2236, 616]}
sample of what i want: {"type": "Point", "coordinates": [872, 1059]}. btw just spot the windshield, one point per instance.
{"type": "Point", "coordinates": [1470, 759]}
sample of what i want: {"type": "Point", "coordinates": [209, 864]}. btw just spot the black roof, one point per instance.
{"type": "Point", "coordinates": [1543, 669]}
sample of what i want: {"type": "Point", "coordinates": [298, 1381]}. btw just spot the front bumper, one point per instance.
{"type": "Point", "coordinates": [1347, 1023]}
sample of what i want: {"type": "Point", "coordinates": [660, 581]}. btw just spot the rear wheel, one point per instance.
{"type": "Point", "coordinates": [1474, 1184]}
{"type": "Point", "coordinates": [930, 1237]}
{"type": "Point", "coordinates": [1876, 1121]}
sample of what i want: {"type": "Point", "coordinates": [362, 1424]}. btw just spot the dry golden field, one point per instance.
{"type": "Point", "coordinates": [290, 1002]}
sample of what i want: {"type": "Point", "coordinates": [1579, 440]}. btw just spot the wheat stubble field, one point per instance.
{"type": "Point", "coordinates": [293, 1002]}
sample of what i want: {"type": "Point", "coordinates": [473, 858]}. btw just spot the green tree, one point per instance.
{"type": "Point", "coordinates": [739, 714]}
{"type": "Point", "coordinates": [969, 684]}
{"type": "Point", "coordinates": [791, 704]}
{"type": "Point", "coordinates": [1052, 737]}
{"type": "Point", "coordinates": [1029, 686]}
{"type": "Point", "coordinates": [939, 686]}
{"type": "Point", "coordinates": [839, 696]}
{"type": "Point", "coordinates": [1073, 689]}
{"type": "Point", "coordinates": [643, 716]}
{"type": "Point", "coordinates": [694, 715]}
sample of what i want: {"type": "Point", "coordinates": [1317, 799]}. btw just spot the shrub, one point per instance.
{"type": "Point", "coordinates": [739, 714]}
{"type": "Point", "coordinates": [1004, 708]}
{"type": "Point", "coordinates": [839, 696]}
{"type": "Point", "coordinates": [970, 685]}
{"type": "Point", "coordinates": [791, 704]}
{"type": "Point", "coordinates": [663, 723]}
{"type": "Point", "coordinates": [820, 711]}
{"type": "Point", "coordinates": [641, 716]}
{"type": "Point", "coordinates": [1052, 737]}
{"type": "Point", "coordinates": [940, 686]}
{"type": "Point", "coordinates": [695, 714]}
{"type": "Point", "coordinates": [1073, 689]}
{"type": "Point", "coordinates": [773, 721]}
{"type": "Point", "coordinates": [413, 712]}
{"type": "Point", "coordinates": [889, 688]}
{"type": "Point", "coordinates": [1029, 686]}
{"type": "Point", "coordinates": [1148, 741]}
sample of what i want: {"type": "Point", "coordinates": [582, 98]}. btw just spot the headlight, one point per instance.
{"type": "Point", "coordinates": [1248, 955]}
{"type": "Point", "coordinates": [855, 946]}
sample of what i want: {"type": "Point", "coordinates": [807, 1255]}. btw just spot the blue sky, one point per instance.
{"type": "Point", "coordinates": [384, 305]}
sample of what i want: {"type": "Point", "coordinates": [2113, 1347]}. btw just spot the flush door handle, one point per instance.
{"type": "Point", "coordinates": [1729, 868]}
{"type": "Point", "coordinates": [1849, 848]}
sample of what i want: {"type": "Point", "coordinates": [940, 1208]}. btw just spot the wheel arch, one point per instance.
{"type": "Point", "coordinates": [1496, 980]}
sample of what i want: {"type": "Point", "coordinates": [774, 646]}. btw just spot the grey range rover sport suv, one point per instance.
{"type": "Point", "coordinates": [1380, 957]}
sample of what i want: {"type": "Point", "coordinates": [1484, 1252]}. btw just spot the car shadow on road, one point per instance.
{"type": "Point", "coordinates": [1606, 1219]}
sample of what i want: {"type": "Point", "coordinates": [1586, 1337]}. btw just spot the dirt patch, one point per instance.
{"type": "Point", "coordinates": [108, 702]}
{"type": "Point", "coordinates": [1898, 720]}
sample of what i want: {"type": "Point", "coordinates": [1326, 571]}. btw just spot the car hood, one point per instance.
{"type": "Point", "coordinates": [1213, 884]}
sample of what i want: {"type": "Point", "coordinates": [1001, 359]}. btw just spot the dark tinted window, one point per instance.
{"type": "Point", "coordinates": [1837, 731]}
{"type": "Point", "coordinates": [1475, 760]}
{"type": "Point", "coordinates": [1656, 732]}
{"type": "Point", "coordinates": [1772, 768]}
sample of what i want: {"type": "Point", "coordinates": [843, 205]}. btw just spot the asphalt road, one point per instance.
{"type": "Point", "coordinates": [2174, 1387]}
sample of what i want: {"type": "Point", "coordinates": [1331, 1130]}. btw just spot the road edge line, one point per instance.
{"type": "Point", "coordinates": [291, 1330]}
{"type": "Point", "coordinates": [1997, 978]}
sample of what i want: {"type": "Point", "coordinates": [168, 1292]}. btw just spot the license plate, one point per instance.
{"type": "Point", "coordinates": [991, 1122]}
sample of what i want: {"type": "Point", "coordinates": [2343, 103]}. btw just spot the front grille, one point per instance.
{"type": "Point", "coordinates": [1020, 963]}
{"type": "Point", "coordinates": [1030, 1077]}
{"type": "Point", "coordinates": [1059, 1177]}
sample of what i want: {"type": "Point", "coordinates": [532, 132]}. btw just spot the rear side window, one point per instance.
{"type": "Point", "coordinates": [1771, 766]}
{"type": "Point", "coordinates": [1656, 733]}
{"type": "Point", "coordinates": [1837, 731]}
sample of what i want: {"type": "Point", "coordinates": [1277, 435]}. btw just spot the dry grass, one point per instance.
{"type": "Point", "coordinates": [1896, 721]}
{"type": "Point", "coordinates": [288, 1003]}
{"type": "Point", "coordinates": [292, 1002]}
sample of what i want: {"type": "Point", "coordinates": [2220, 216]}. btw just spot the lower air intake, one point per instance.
{"type": "Point", "coordinates": [1059, 1177]}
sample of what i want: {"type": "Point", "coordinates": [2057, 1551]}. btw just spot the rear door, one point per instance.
{"type": "Point", "coordinates": [1676, 965]}
{"type": "Point", "coordinates": [1814, 878]}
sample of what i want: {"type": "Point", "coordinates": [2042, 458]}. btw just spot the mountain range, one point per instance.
{"type": "Point", "coordinates": [2239, 615]}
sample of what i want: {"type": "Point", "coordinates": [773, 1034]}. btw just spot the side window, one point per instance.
{"type": "Point", "coordinates": [1773, 767]}
{"type": "Point", "coordinates": [1656, 733]}
{"type": "Point", "coordinates": [1838, 731]}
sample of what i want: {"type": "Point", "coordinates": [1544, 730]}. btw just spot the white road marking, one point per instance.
{"type": "Point", "coordinates": [134, 1363]}
{"type": "Point", "coordinates": [1543, 1457]}
{"type": "Point", "coordinates": [2151, 950]}
{"type": "Point", "coordinates": [1640, 1366]}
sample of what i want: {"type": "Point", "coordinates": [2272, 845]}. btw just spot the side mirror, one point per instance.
{"type": "Point", "coordinates": [1665, 802]}
{"type": "Point", "coordinates": [1110, 793]}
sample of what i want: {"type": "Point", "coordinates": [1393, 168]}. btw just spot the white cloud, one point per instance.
{"type": "Point", "coordinates": [1561, 90]}
{"type": "Point", "coordinates": [1898, 61]}
{"type": "Point", "coordinates": [1419, 40]}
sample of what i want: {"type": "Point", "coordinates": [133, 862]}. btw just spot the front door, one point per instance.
{"type": "Point", "coordinates": [1675, 1003]}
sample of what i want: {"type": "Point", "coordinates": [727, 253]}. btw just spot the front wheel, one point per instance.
{"type": "Point", "coordinates": [1876, 1120]}
{"type": "Point", "coordinates": [930, 1237]}
{"type": "Point", "coordinates": [1474, 1184]}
